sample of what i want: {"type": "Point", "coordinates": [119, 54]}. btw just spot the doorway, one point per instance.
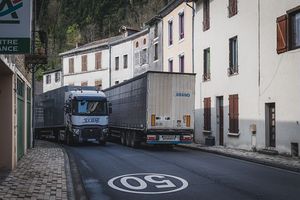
{"type": "Point", "coordinates": [220, 119]}
{"type": "Point", "coordinates": [270, 125]}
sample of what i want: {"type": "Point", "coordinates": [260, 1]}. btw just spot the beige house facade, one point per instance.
{"type": "Point", "coordinates": [177, 37]}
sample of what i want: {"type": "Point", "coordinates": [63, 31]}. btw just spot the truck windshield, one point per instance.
{"type": "Point", "coordinates": [90, 108]}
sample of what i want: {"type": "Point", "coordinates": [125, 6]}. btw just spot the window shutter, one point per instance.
{"type": "Point", "coordinates": [236, 113]}
{"type": "Point", "coordinates": [282, 34]}
{"type": "Point", "coordinates": [207, 114]}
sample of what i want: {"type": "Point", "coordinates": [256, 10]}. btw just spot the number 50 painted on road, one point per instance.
{"type": "Point", "coordinates": [139, 183]}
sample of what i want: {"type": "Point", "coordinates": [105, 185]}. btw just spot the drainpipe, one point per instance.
{"type": "Point", "coordinates": [193, 50]}
{"type": "Point", "coordinates": [109, 46]}
{"type": "Point", "coordinates": [193, 34]}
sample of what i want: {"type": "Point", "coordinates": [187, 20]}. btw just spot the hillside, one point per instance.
{"type": "Point", "coordinates": [68, 22]}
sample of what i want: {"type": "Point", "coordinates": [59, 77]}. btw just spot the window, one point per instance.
{"type": "Point", "coordinates": [207, 114]}
{"type": "Point", "coordinates": [85, 83]}
{"type": "Point", "coordinates": [125, 61]}
{"type": "Point", "coordinates": [98, 60]}
{"type": "Point", "coordinates": [71, 65]}
{"type": "Point", "coordinates": [117, 59]}
{"type": "Point", "coordinates": [181, 63]}
{"type": "Point", "coordinates": [145, 41]}
{"type": "Point", "coordinates": [232, 8]}
{"type": "Point", "coordinates": [48, 79]}
{"type": "Point", "coordinates": [137, 44]}
{"type": "Point", "coordinates": [288, 31]}
{"type": "Point", "coordinates": [206, 15]}
{"type": "Point", "coordinates": [170, 33]}
{"type": "Point", "coordinates": [156, 52]}
{"type": "Point", "coordinates": [206, 64]}
{"type": "Point", "coordinates": [233, 56]}
{"type": "Point", "coordinates": [116, 82]}
{"type": "Point", "coordinates": [295, 29]}
{"type": "Point", "coordinates": [234, 113]}
{"type": "Point", "coordinates": [170, 65]}
{"type": "Point", "coordinates": [57, 77]}
{"type": "Point", "coordinates": [98, 84]}
{"type": "Point", "coordinates": [84, 63]}
{"type": "Point", "coordinates": [181, 25]}
{"type": "Point", "coordinates": [143, 58]}
{"type": "Point", "coordinates": [156, 30]}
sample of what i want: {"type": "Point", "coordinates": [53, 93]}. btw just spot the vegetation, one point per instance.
{"type": "Point", "coordinates": [68, 22]}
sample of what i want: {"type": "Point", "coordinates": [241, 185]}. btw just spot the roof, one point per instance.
{"type": "Point", "coordinates": [104, 43]}
{"type": "Point", "coordinates": [87, 93]}
{"type": "Point", "coordinates": [165, 11]}
{"type": "Point", "coordinates": [92, 45]}
{"type": "Point", "coordinates": [52, 71]}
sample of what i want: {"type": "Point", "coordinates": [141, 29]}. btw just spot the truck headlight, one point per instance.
{"type": "Point", "coordinates": [105, 130]}
{"type": "Point", "coordinates": [76, 131]}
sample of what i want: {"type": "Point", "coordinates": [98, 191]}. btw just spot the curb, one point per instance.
{"type": "Point", "coordinates": [78, 187]}
{"type": "Point", "coordinates": [267, 163]}
{"type": "Point", "coordinates": [70, 187]}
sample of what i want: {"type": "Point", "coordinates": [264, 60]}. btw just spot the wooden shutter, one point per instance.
{"type": "Point", "coordinates": [207, 114]}
{"type": "Point", "coordinates": [84, 63]}
{"type": "Point", "coordinates": [282, 45]}
{"type": "Point", "coordinates": [232, 8]}
{"type": "Point", "coordinates": [71, 65]}
{"type": "Point", "coordinates": [206, 15]}
{"type": "Point", "coordinates": [98, 60]}
{"type": "Point", "coordinates": [233, 113]}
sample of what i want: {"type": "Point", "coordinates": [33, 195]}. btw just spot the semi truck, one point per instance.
{"type": "Point", "coordinates": [72, 114]}
{"type": "Point", "coordinates": [153, 108]}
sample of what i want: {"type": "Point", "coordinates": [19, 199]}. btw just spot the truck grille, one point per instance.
{"type": "Point", "coordinates": [90, 133]}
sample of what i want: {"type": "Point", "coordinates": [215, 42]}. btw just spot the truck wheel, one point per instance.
{"type": "Point", "coordinates": [128, 139]}
{"type": "Point", "coordinates": [123, 138]}
{"type": "Point", "coordinates": [133, 142]}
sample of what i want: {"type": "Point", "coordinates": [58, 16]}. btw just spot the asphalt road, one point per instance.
{"type": "Point", "coordinates": [151, 173]}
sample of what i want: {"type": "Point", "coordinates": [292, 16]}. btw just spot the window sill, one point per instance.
{"type": "Point", "coordinates": [181, 40]}
{"type": "Point", "coordinates": [155, 61]}
{"type": "Point", "coordinates": [207, 132]}
{"type": "Point", "coordinates": [233, 74]}
{"type": "Point", "coordinates": [233, 134]}
{"type": "Point", "coordinates": [208, 80]}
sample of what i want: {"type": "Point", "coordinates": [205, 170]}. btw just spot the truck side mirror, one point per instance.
{"type": "Point", "coordinates": [110, 108]}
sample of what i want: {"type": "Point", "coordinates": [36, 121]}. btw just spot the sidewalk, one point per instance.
{"type": "Point", "coordinates": [283, 162]}
{"type": "Point", "coordinates": [41, 174]}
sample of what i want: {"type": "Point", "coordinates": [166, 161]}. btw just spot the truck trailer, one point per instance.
{"type": "Point", "coordinates": [72, 114]}
{"type": "Point", "coordinates": [153, 108]}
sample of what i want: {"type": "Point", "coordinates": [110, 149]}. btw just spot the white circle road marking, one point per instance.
{"type": "Point", "coordinates": [148, 177]}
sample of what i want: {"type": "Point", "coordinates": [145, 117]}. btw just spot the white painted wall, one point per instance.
{"type": "Point", "coordinates": [53, 84]}
{"type": "Point", "coordinates": [92, 73]}
{"type": "Point", "coordinates": [264, 76]}
{"type": "Point", "coordinates": [279, 77]}
{"type": "Point", "coordinates": [245, 84]}
{"type": "Point", "coordinates": [119, 50]}
{"type": "Point", "coordinates": [140, 68]}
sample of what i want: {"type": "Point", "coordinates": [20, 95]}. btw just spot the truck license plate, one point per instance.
{"type": "Point", "coordinates": [169, 138]}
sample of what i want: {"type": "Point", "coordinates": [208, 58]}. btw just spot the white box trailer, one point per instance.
{"type": "Point", "coordinates": [155, 108]}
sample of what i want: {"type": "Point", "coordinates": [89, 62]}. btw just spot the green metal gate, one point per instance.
{"type": "Point", "coordinates": [20, 118]}
{"type": "Point", "coordinates": [28, 117]}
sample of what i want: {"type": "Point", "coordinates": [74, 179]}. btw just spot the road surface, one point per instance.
{"type": "Point", "coordinates": [117, 172]}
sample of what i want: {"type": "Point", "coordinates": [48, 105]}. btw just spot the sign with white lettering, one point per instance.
{"type": "Point", "coordinates": [15, 26]}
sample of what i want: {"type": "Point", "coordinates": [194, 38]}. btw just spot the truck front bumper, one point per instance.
{"type": "Point", "coordinates": [90, 134]}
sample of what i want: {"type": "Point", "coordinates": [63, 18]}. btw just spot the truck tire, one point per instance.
{"type": "Point", "coordinates": [123, 138]}
{"type": "Point", "coordinates": [128, 138]}
{"type": "Point", "coordinates": [133, 141]}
